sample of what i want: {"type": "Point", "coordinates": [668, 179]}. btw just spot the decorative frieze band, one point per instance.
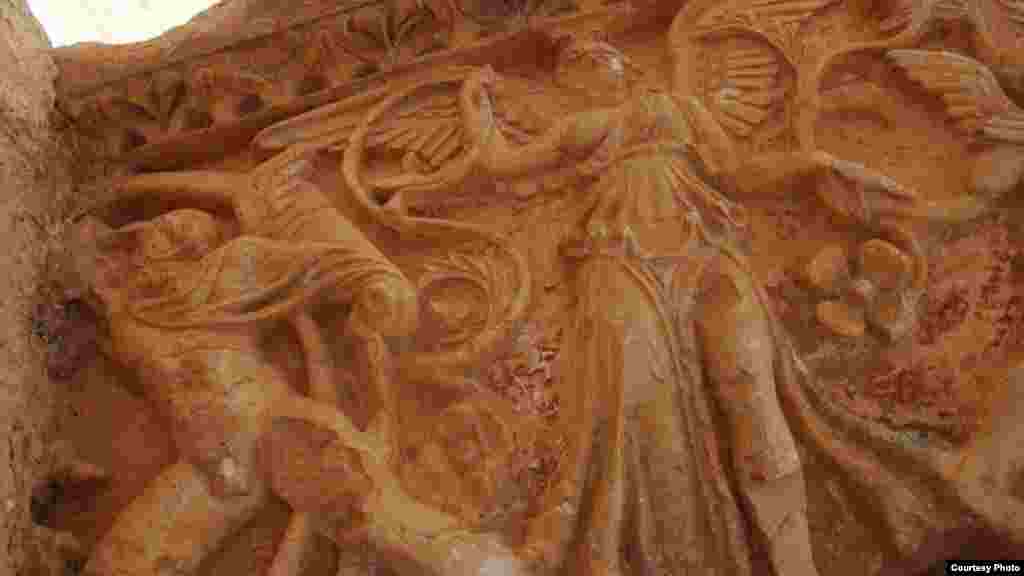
{"type": "Point", "coordinates": [261, 78]}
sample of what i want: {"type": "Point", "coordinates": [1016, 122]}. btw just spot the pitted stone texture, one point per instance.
{"type": "Point", "coordinates": [26, 98]}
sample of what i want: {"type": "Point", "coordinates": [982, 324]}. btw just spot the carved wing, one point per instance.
{"type": "Point", "coordinates": [473, 284]}
{"type": "Point", "coordinates": [744, 55]}
{"type": "Point", "coordinates": [997, 28]}
{"type": "Point", "coordinates": [749, 88]}
{"type": "Point", "coordinates": [760, 14]}
{"type": "Point", "coordinates": [326, 127]}
{"type": "Point", "coordinates": [913, 16]}
{"type": "Point", "coordinates": [424, 132]}
{"type": "Point", "coordinates": [404, 146]}
{"type": "Point", "coordinates": [970, 91]}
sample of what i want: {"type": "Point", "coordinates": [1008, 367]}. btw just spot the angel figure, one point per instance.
{"type": "Point", "coordinates": [664, 296]}
{"type": "Point", "coordinates": [671, 338]}
{"type": "Point", "coordinates": [188, 308]}
{"type": "Point", "coordinates": [682, 396]}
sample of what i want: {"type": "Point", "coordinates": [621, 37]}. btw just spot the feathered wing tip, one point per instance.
{"type": "Point", "coordinates": [973, 98]}
{"type": "Point", "coordinates": [332, 126]}
{"type": "Point", "coordinates": [750, 89]}
{"type": "Point", "coordinates": [327, 126]}
{"type": "Point", "coordinates": [915, 16]}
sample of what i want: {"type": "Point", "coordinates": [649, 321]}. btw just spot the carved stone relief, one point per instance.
{"type": "Point", "coordinates": [731, 294]}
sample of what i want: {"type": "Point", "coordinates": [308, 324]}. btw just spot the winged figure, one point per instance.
{"type": "Point", "coordinates": [671, 340]}
{"type": "Point", "coordinates": [655, 255]}
{"type": "Point", "coordinates": [670, 321]}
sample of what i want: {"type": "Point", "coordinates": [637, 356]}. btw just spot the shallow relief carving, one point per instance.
{"type": "Point", "coordinates": [675, 301]}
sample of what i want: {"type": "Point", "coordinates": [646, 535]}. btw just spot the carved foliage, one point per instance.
{"type": "Point", "coordinates": [493, 16]}
{"type": "Point", "coordinates": [385, 34]}
{"type": "Point", "coordinates": [174, 101]}
{"type": "Point", "coordinates": [779, 21]}
{"type": "Point", "coordinates": [285, 65]}
{"type": "Point", "coordinates": [872, 289]}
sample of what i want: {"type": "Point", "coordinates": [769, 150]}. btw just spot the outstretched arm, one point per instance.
{"type": "Point", "coordinates": [571, 136]}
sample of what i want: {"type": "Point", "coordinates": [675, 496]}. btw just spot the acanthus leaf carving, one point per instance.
{"type": "Point", "coordinates": [505, 14]}
{"type": "Point", "coordinates": [385, 34]}
{"type": "Point", "coordinates": [168, 92]}
{"type": "Point", "coordinates": [342, 49]}
{"type": "Point", "coordinates": [778, 21]}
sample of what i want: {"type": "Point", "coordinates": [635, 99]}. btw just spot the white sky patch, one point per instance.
{"type": "Point", "coordinates": [112, 21]}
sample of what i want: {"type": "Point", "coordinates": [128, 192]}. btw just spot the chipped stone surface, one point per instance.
{"type": "Point", "coordinates": [829, 269]}
{"type": "Point", "coordinates": [884, 265]}
{"type": "Point", "coordinates": [27, 167]}
{"type": "Point", "coordinates": [841, 318]}
{"type": "Point", "coordinates": [528, 384]}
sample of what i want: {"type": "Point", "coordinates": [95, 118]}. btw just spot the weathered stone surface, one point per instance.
{"type": "Point", "coordinates": [884, 265]}
{"type": "Point", "coordinates": [841, 318]}
{"type": "Point", "coordinates": [829, 271]}
{"type": "Point", "coordinates": [30, 173]}
{"type": "Point", "coordinates": [452, 254]}
{"type": "Point", "coordinates": [892, 316]}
